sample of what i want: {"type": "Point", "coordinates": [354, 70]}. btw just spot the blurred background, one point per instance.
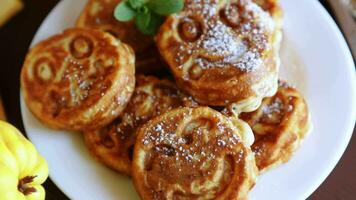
{"type": "Point", "coordinates": [19, 21]}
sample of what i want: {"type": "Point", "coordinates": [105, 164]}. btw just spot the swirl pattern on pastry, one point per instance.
{"type": "Point", "coordinates": [279, 125]}
{"type": "Point", "coordinates": [98, 14]}
{"type": "Point", "coordinates": [221, 52]}
{"type": "Point", "coordinates": [80, 79]}
{"type": "Point", "coordinates": [192, 153]}
{"type": "Point", "coordinates": [113, 144]}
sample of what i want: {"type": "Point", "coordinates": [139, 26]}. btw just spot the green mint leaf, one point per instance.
{"type": "Point", "coordinates": [148, 23]}
{"type": "Point", "coordinates": [142, 20]}
{"type": "Point", "coordinates": [135, 4]}
{"type": "Point", "coordinates": [165, 7]}
{"type": "Point", "coordinates": [143, 9]}
{"type": "Point", "coordinates": [123, 12]}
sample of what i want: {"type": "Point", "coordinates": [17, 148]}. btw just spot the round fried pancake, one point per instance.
{"type": "Point", "coordinates": [113, 144]}
{"type": "Point", "coordinates": [192, 153]}
{"type": "Point", "coordinates": [99, 14]}
{"type": "Point", "coordinates": [278, 125]}
{"type": "Point", "coordinates": [222, 52]}
{"type": "Point", "coordinates": [80, 79]}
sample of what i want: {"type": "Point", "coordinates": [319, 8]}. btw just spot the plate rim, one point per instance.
{"type": "Point", "coordinates": [350, 125]}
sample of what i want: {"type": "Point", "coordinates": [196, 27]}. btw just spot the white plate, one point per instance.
{"type": "Point", "coordinates": [315, 59]}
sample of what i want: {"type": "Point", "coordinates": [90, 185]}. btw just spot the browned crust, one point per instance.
{"type": "Point", "coordinates": [240, 171]}
{"type": "Point", "coordinates": [110, 158]}
{"type": "Point", "coordinates": [113, 144]}
{"type": "Point", "coordinates": [108, 89]}
{"type": "Point", "coordinates": [147, 55]}
{"type": "Point", "coordinates": [279, 125]}
{"type": "Point", "coordinates": [218, 86]}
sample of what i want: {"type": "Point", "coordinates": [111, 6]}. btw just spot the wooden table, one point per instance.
{"type": "Point", "coordinates": [15, 37]}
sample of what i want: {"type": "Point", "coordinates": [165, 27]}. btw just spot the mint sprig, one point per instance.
{"type": "Point", "coordinates": [148, 14]}
{"type": "Point", "coordinates": [124, 12]}
{"type": "Point", "coordinates": [165, 7]}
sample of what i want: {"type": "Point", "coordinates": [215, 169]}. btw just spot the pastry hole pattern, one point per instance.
{"type": "Point", "coordinates": [190, 29]}
{"type": "Point", "coordinates": [81, 47]}
{"type": "Point", "coordinates": [201, 126]}
{"type": "Point", "coordinates": [106, 140]}
{"type": "Point", "coordinates": [230, 15]}
{"type": "Point", "coordinates": [44, 70]}
{"type": "Point", "coordinates": [195, 72]}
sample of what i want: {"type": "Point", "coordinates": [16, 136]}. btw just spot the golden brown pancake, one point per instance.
{"type": "Point", "coordinates": [278, 125]}
{"type": "Point", "coordinates": [222, 53]}
{"type": "Point", "coordinates": [79, 79]}
{"type": "Point", "coordinates": [99, 14]}
{"type": "Point", "coordinates": [192, 153]}
{"type": "Point", "coordinates": [113, 144]}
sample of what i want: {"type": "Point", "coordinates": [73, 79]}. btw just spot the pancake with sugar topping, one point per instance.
{"type": "Point", "coordinates": [79, 79]}
{"type": "Point", "coordinates": [279, 125]}
{"type": "Point", "coordinates": [113, 144]}
{"type": "Point", "coordinates": [99, 14]}
{"type": "Point", "coordinates": [193, 153]}
{"type": "Point", "coordinates": [222, 52]}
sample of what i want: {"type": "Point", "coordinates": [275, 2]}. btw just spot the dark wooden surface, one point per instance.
{"type": "Point", "coordinates": [15, 37]}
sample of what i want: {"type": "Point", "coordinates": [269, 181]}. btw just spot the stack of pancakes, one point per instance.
{"type": "Point", "coordinates": [205, 130]}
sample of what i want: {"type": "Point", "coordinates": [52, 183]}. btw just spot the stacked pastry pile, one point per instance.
{"type": "Point", "coordinates": [207, 132]}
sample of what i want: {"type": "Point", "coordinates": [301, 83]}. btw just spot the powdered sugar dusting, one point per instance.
{"type": "Point", "coordinates": [222, 45]}
{"type": "Point", "coordinates": [206, 8]}
{"type": "Point", "coordinates": [264, 20]}
{"type": "Point", "coordinates": [259, 150]}
{"type": "Point", "coordinates": [202, 145]}
{"type": "Point", "coordinates": [275, 107]}
{"type": "Point", "coordinates": [221, 40]}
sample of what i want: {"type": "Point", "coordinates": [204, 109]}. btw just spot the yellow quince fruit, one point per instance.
{"type": "Point", "coordinates": [22, 168]}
